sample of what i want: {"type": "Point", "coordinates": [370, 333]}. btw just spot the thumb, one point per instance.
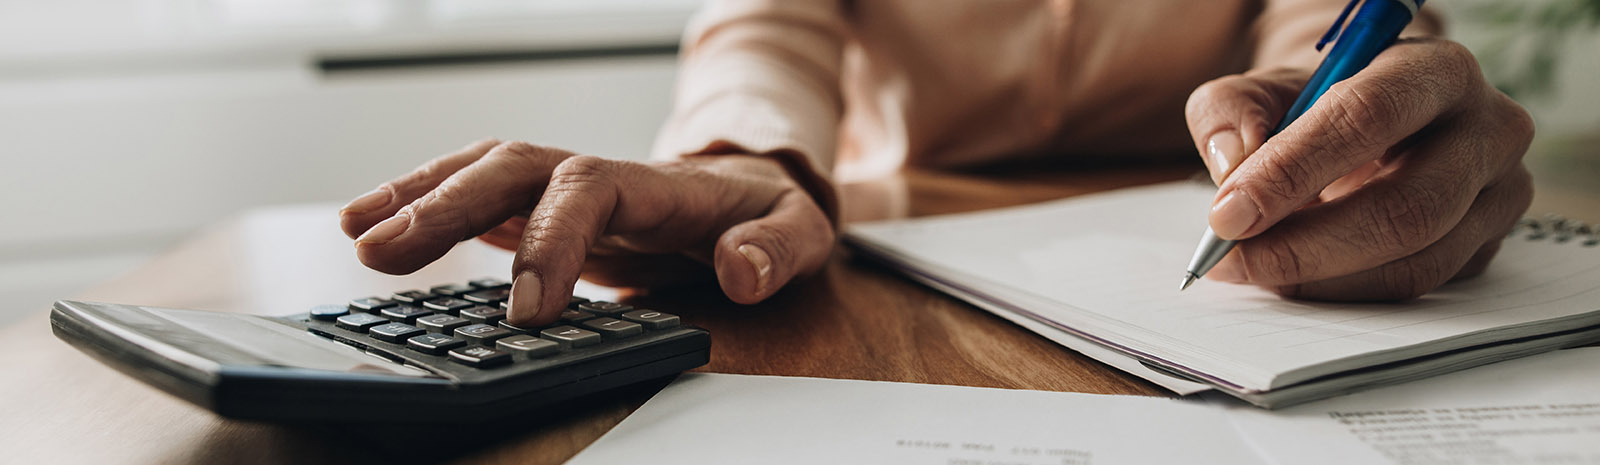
{"type": "Point", "coordinates": [1230, 117]}
{"type": "Point", "coordinates": [755, 258]}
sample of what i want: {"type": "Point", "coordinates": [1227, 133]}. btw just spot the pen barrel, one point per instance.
{"type": "Point", "coordinates": [1373, 28]}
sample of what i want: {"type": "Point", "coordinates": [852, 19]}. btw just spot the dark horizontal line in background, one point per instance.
{"type": "Point", "coordinates": [344, 64]}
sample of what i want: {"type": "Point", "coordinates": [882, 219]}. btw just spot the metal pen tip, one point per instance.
{"type": "Point", "coordinates": [1188, 279]}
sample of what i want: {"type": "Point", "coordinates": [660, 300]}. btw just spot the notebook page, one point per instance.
{"type": "Point", "coordinates": [1113, 261]}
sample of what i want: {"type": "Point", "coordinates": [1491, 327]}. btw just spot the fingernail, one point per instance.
{"type": "Point", "coordinates": [1233, 215]}
{"type": "Point", "coordinates": [761, 261]}
{"type": "Point", "coordinates": [386, 231]}
{"type": "Point", "coordinates": [525, 288]}
{"type": "Point", "coordinates": [368, 202]}
{"type": "Point", "coordinates": [1224, 149]}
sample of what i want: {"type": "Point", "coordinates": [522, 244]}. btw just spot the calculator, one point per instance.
{"type": "Point", "coordinates": [438, 355]}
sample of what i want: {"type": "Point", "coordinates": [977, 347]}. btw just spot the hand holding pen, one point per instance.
{"type": "Point", "coordinates": [1398, 179]}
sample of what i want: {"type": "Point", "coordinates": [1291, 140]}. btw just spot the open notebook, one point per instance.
{"type": "Point", "coordinates": [1101, 269]}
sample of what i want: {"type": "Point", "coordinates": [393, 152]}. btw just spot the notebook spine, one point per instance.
{"type": "Point", "coordinates": [1557, 229]}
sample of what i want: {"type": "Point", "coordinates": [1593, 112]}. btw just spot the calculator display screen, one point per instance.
{"type": "Point", "coordinates": [280, 345]}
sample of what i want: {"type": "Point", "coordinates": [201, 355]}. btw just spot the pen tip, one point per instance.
{"type": "Point", "coordinates": [1188, 279]}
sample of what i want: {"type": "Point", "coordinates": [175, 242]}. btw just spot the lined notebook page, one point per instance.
{"type": "Point", "coordinates": [1110, 264]}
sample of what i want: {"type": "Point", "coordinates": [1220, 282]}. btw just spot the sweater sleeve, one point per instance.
{"type": "Point", "coordinates": [1287, 30]}
{"type": "Point", "coordinates": [761, 77]}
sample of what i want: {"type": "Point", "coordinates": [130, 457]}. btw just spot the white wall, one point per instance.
{"type": "Point", "coordinates": [101, 172]}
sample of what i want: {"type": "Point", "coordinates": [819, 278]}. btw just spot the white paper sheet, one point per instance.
{"type": "Point", "coordinates": [1110, 263]}
{"type": "Point", "coordinates": [1540, 410]}
{"type": "Point", "coordinates": [735, 419]}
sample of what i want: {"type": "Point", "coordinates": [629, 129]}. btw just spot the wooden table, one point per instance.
{"type": "Point", "coordinates": [853, 320]}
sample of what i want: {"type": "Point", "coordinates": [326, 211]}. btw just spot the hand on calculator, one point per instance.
{"type": "Point", "coordinates": [615, 222]}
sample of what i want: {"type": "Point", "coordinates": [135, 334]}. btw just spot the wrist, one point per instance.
{"type": "Point", "coordinates": [786, 166]}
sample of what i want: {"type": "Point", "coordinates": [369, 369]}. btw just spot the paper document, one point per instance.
{"type": "Point", "coordinates": [1105, 268]}
{"type": "Point", "coordinates": [736, 419]}
{"type": "Point", "coordinates": [1538, 410]}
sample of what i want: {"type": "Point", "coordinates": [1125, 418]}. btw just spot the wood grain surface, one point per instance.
{"type": "Point", "coordinates": [853, 320]}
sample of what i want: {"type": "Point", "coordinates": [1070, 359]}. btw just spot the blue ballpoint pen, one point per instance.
{"type": "Point", "coordinates": [1375, 26]}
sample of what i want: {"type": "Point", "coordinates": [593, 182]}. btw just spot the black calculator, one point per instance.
{"type": "Point", "coordinates": [438, 355]}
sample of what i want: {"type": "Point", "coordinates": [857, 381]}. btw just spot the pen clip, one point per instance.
{"type": "Point", "coordinates": [1333, 32]}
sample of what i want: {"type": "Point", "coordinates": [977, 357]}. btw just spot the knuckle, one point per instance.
{"type": "Point", "coordinates": [580, 172]}
{"type": "Point", "coordinates": [1279, 181]}
{"type": "Point", "coordinates": [1276, 262]}
{"type": "Point", "coordinates": [1405, 222]}
{"type": "Point", "coordinates": [1364, 113]}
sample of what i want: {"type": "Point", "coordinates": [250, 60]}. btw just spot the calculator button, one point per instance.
{"type": "Point", "coordinates": [570, 337]}
{"type": "Point", "coordinates": [489, 297]}
{"type": "Point", "coordinates": [481, 357]}
{"type": "Point", "coordinates": [405, 313]}
{"type": "Point", "coordinates": [481, 333]}
{"type": "Point", "coordinates": [485, 315]}
{"type": "Point", "coordinates": [394, 332]}
{"type": "Point", "coordinates": [435, 344]}
{"type": "Point", "coordinates": [451, 290]}
{"type": "Point", "coordinates": [613, 328]}
{"type": "Point", "coordinates": [442, 323]}
{"type": "Point", "coordinates": [528, 346]}
{"type": "Point", "coordinates": [652, 319]}
{"type": "Point", "coordinates": [449, 305]}
{"type": "Point", "coordinates": [328, 312]}
{"type": "Point", "coordinates": [371, 304]}
{"type": "Point", "coordinates": [359, 322]}
{"type": "Point", "coordinates": [574, 316]}
{"type": "Point", "coordinates": [575, 300]}
{"type": "Point", "coordinates": [488, 283]}
{"type": "Point", "coordinates": [413, 296]}
{"type": "Point", "coordinates": [605, 308]}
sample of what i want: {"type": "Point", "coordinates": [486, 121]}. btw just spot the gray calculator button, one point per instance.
{"type": "Point", "coordinates": [528, 346]}
{"type": "Point", "coordinates": [449, 305]}
{"type": "Point", "coordinates": [442, 323]}
{"type": "Point", "coordinates": [405, 313]}
{"type": "Point", "coordinates": [489, 297]}
{"type": "Point", "coordinates": [485, 315]}
{"type": "Point", "coordinates": [574, 316]}
{"type": "Point", "coordinates": [481, 333]}
{"type": "Point", "coordinates": [329, 312]}
{"type": "Point", "coordinates": [652, 319]}
{"type": "Point", "coordinates": [394, 332]}
{"type": "Point", "coordinates": [435, 344]}
{"type": "Point", "coordinates": [613, 328]}
{"type": "Point", "coordinates": [481, 357]}
{"type": "Point", "coordinates": [359, 322]}
{"type": "Point", "coordinates": [570, 337]}
{"type": "Point", "coordinates": [605, 308]}
{"type": "Point", "coordinates": [371, 304]}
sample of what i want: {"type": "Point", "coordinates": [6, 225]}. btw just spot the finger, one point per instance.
{"type": "Point", "coordinates": [1463, 252]}
{"type": "Point", "coordinates": [1357, 121]}
{"type": "Point", "coordinates": [1230, 117]}
{"type": "Point", "coordinates": [1411, 204]}
{"type": "Point", "coordinates": [466, 204]}
{"type": "Point", "coordinates": [381, 203]}
{"type": "Point", "coordinates": [757, 257]}
{"type": "Point", "coordinates": [581, 203]}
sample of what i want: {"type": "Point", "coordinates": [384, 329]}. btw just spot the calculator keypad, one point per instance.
{"type": "Point", "coordinates": [466, 323]}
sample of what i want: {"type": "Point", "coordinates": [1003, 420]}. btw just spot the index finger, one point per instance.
{"type": "Point", "coordinates": [1355, 122]}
